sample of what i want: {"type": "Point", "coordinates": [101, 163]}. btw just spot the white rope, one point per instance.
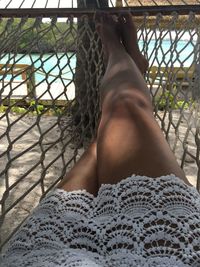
{"type": "Point", "coordinates": [173, 90]}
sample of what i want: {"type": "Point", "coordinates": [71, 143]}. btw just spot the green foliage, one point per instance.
{"type": "Point", "coordinates": [41, 37]}
{"type": "Point", "coordinates": [169, 100]}
{"type": "Point", "coordinates": [36, 108]}
{"type": "Point", "coordinates": [2, 109]}
{"type": "Point", "coordinates": [18, 110]}
{"type": "Point", "coordinates": [33, 109]}
{"type": "Point", "coordinates": [58, 111]}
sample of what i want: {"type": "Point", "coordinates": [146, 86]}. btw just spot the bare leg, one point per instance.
{"type": "Point", "coordinates": [129, 139]}
{"type": "Point", "coordinates": [84, 173]}
{"type": "Point", "coordinates": [129, 39]}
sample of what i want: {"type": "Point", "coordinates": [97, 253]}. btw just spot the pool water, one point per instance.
{"type": "Point", "coordinates": [51, 66]}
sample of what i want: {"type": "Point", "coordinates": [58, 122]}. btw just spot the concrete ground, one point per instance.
{"type": "Point", "coordinates": [45, 155]}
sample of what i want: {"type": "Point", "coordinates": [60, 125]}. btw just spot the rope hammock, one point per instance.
{"type": "Point", "coordinates": [49, 78]}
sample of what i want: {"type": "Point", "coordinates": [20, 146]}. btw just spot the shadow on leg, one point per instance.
{"type": "Point", "coordinates": [129, 139]}
{"type": "Point", "coordinates": [83, 176]}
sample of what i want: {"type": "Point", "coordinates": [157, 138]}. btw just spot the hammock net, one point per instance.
{"type": "Point", "coordinates": [50, 70]}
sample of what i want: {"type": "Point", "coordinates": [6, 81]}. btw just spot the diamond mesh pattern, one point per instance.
{"type": "Point", "coordinates": [49, 99]}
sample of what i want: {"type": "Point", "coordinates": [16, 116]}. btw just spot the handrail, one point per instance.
{"type": "Point", "coordinates": [14, 69]}
{"type": "Point", "coordinates": [77, 12]}
{"type": "Point", "coordinates": [178, 72]}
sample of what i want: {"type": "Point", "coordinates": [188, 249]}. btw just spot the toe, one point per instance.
{"type": "Point", "coordinates": [128, 18]}
{"type": "Point", "coordinates": [122, 20]}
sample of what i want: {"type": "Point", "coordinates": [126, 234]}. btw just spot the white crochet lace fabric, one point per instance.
{"type": "Point", "coordinates": [139, 222]}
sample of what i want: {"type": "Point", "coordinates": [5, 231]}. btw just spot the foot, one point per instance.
{"type": "Point", "coordinates": [107, 28]}
{"type": "Point", "coordinates": [129, 40]}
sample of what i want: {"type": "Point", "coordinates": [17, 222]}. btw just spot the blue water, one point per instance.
{"type": "Point", "coordinates": [50, 66]}
{"type": "Point", "coordinates": [160, 52]}
{"type": "Point", "coordinates": [47, 67]}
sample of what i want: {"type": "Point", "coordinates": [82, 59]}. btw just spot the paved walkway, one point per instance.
{"type": "Point", "coordinates": [44, 91]}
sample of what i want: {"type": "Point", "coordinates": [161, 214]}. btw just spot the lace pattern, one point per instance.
{"type": "Point", "coordinates": [140, 222]}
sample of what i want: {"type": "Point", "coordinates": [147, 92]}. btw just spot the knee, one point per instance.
{"type": "Point", "coordinates": [131, 102]}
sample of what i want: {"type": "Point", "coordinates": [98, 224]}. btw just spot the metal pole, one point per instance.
{"type": "Point", "coordinates": [90, 10]}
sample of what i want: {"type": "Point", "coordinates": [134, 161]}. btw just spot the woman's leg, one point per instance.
{"type": "Point", "coordinates": [128, 34]}
{"type": "Point", "coordinates": [129, 140]}
{"type": "Point", "coordinates": [84, 173]}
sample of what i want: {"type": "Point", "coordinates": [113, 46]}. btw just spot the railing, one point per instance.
{"type": "Point", "coordinates": [39, 142]}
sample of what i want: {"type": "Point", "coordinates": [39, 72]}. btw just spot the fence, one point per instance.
{"type": "Point", "coordinates": [49, 77]}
